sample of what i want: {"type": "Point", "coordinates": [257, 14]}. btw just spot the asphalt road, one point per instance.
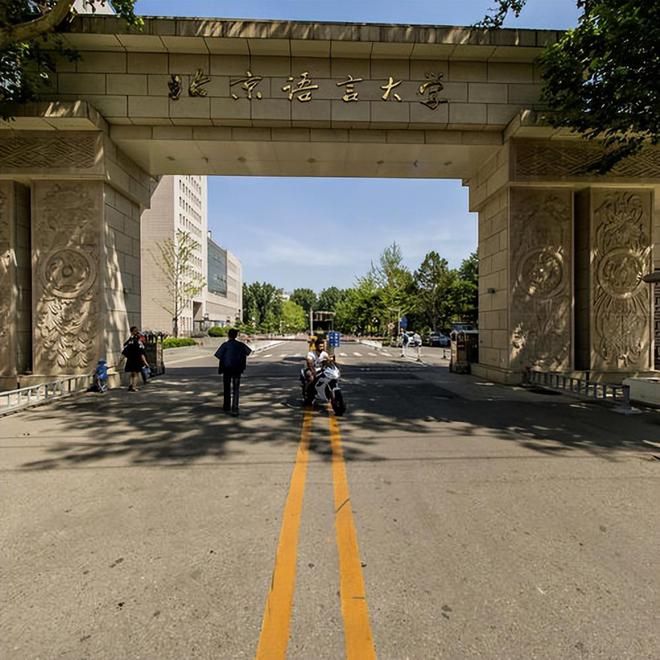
{"type": "Point", "coordinates": [442, 517]}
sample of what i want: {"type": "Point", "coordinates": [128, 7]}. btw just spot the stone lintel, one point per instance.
{"type": "Point", "coordinates": [308, 39]}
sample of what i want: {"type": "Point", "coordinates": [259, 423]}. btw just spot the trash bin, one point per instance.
{"type": "Point", "coordinates": [153, 348]}
{"type": "Point", "coordinates": [464, 350]}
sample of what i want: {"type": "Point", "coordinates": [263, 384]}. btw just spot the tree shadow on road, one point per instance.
{"type": "Point", "coordinates": [178, 420]}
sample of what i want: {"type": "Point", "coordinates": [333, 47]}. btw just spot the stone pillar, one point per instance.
{"type": "Point", "coordinates": [120, 272]}
{"type": "Point", "coordinates": [525, 282]}
{"type": "Point", "coordinates": [7, 288]}
{"type": "Point", "coordinates": [541, 309]}
{"type": "Point", "coordinates": [614, 306]}
{"type": "Point", "coordinates": [15, 283]}
{"type": "Point", "coordinates": [67, 230]}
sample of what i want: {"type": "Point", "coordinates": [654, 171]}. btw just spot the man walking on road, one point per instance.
{"type": "Point", "coordinates": [233, 359]}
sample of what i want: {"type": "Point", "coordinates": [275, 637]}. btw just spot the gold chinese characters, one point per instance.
{"type": "Point", "coordinates": [302, 88]}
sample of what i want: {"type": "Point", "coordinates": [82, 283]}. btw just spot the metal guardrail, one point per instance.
{"type": "Point", "coordinates": [582, 387]}
{"type": "Point", "coordinates": [14, 400]}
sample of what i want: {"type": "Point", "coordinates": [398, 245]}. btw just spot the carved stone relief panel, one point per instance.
{"type": "Point", "coordinates": [541, 272]}
{"type": "Point", "coordinates": [621, 255]}
{"type": "Point", "coordinates": [66, 232]}
{"type": "Point", "coordinates": [7, 360]}
{"type": "Point", "coordinates": [533, 159]}
{"type": "Point", "coordinates": [66, 150]}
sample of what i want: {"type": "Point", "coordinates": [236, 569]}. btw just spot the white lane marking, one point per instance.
{"type": "Point", "coordinates": [372, 354]}
{"type": "Point", "coordinates": [387, 354]}
{"type": "Point", "coordinates": [357, 354]}
{"type": "Point", "coordinates": [269, 355]}
{"type": "Point", "coordinates": [343, 355]}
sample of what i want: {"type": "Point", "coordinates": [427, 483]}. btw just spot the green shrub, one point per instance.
{"type": "Point", "coordinates": [175, 342]}
{"type": "Point", "coordinates": [218, 331]}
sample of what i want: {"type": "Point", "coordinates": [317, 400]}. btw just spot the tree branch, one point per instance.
{"type": "Point", "coordinates": [36, 27]}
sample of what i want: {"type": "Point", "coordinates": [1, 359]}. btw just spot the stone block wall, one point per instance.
{"type": "Point", "coordinates": [15, 282]}
{"type": "Point", "coordinates": [121, 272]}
{"type": "Point", "coordinates": [136, 85]}
{"type": "Point", "coordinates": [494, 276]}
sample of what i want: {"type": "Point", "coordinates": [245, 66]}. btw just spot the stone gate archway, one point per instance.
{"type": "Point", "coordinates": [561, 252]}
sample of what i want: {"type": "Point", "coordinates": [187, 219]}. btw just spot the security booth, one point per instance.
{"type": "Point", "coordinates": [464, 350]}
{"type": "Point", "coordinates": [153, 348]}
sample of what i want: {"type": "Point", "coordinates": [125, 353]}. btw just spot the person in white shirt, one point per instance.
{"type": "Point", "coordinates": [316, 360]}
{"type": "Point", "coordinates": [417, 343]}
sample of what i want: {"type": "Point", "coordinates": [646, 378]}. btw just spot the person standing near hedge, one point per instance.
{"type": "Point", "coordinates": [232, 356]}
{"type": "Point", "coordinates": [136, 358]}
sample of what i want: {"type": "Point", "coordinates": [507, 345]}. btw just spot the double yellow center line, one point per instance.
{"type": "Point", "coordinates": [277, 615]}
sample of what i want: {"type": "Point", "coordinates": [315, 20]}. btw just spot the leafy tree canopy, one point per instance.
{"type": "Point", "coordinates": [329, 298]}
{"type": "Point", "coordinates": [306, 298]}
{"type": "Point", "coordinates": [28, 38]}
{"type": "Point", "coordinates": [294, 318]}
{"type": "Point", "coordinates": [602, 78]}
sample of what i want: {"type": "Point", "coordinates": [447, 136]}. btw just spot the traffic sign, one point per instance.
{"type": "Point", "coordinates": [334, 338]}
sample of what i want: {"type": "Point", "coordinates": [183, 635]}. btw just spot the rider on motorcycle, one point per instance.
{"type": "Point", "coordinates": [316, 360]}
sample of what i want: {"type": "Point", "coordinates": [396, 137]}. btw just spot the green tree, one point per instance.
{"type": "Point", "coordinates": [602, 78]}
{"type": "Point", "coordinates": [294, 318]}
{"type": "Point", "coordinates": [329, 298]}
{"type": "Point", "coordinates": [175, 261]}
{"type": "Point", "coordinates": [306, 298]}
{"type": "Point", "coordinates": [396, 282]}
{"type": "Point", "coordinates": [434, 281]}
{"type": "Point", "coordinates": [262, 306]}
{"type": "Point", "coordinates": [464, 293]}
{"type": "Point", "coordinates": [29, 38]}
{"type": "Point", "coordinates": [362, 309]}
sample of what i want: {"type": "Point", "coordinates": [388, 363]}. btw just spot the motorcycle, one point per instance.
{"type": "Point", "coordinates": [324, 388]}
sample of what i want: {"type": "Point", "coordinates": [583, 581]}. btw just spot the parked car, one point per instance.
{"type": "Point", "coordinates": [437, 339]}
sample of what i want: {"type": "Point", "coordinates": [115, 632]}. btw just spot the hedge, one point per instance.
{"type": "Point", "coordinates": [218, 331]}
{"type": "Point", "coordinates": [175, 342]}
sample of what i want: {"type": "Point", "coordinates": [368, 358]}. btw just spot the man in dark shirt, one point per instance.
{"type": "Point", "coordinates": [233, 359]}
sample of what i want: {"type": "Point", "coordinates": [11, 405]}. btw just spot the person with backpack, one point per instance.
{"type": "Point", "coordinates": [232, 356]}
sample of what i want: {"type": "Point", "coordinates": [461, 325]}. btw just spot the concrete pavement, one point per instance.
{"type": "Point", "coordinates": [490, 522]}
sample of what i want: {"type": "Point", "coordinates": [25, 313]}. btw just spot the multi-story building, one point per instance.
{"type": "Point", "coordinates": [178, 205]}
{"type": "Point", "coordinates": [224, 296]}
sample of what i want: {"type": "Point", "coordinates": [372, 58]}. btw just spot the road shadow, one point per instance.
{"type": "Point", "coordinates": [178, 419]}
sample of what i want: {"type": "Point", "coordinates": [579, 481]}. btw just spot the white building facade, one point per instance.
{"type": "Point", "coordinates": [180, 205]}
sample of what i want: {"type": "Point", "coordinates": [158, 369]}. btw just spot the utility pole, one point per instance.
{"type": "Point", "coordinates": [311, 322]}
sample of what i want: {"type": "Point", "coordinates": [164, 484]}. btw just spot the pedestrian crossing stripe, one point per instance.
{"type": "Point", "coordinates": [343, 355]}
{"type": "Point", "coordinates": [372, 354]}
{"type": "Point", "coordinates": [357, 354]}
{"type": "Point", "coordinates": [269, 355]}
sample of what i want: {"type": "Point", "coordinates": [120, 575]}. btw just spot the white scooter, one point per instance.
{"type": "Point", "coordinates": [324, 389]}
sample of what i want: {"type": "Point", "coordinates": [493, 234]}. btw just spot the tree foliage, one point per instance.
{"type": "Point", "coordinates": [602, 78]}
{"type": "Point", "coordinates": [293, 317]}
{"type": "Point", "coordinates": [329, 298]}
{"type": "Point", "coordinates": [262, 306]}
{"type": "Point", "coordinates": [174, 260]}
{"type": "Point", "coordinates": [306, 298]}
{"type": "Point", "coordinates": [29, 38]}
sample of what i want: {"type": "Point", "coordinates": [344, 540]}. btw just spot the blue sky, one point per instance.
{"type": "Point", "coordinates": [340, 225]}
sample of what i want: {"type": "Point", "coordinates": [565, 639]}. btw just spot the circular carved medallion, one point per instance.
{"type": "Point", "coordinates": [620, 273]}
{"type": "Point", "coordinates": [541, 273]}
{"type": "Point", "coordinates": [67, 273]}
